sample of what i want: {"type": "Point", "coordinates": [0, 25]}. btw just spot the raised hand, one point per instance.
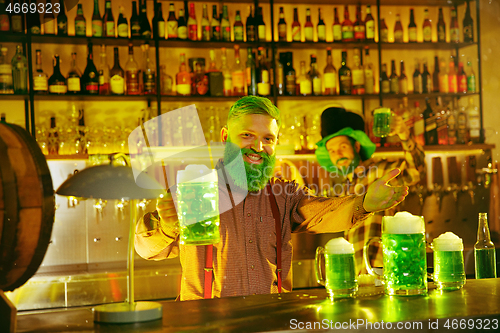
{"type": "Point", "coordinates": [381, 196]}
{"type": "Point", "coordinates": [399, 128]}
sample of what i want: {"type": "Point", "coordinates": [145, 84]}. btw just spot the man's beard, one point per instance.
{"type": "Point", "coordinates": [253, 177]}
{"type": "Point", "coordinates": [348, 169]}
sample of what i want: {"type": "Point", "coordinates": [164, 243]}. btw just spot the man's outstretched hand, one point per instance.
{"type": "Point", "coordinates": [381, 196]}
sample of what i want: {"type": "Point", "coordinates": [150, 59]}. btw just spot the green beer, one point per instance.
{"type": "Point", "coordinates": [449, 271]}
{"type": "Point", "coordinates": [198, 207]}
{"type": "Point", "coordinates": [381, 122]}
{"type": "Point", "coordinates": [485, 263]}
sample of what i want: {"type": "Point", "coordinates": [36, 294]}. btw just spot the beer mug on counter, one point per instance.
{"type": "Point", "coordinates": [382, 122]}
{"type": "Point", "coordinates": [340, 275]}
{"type": "Point", "coordinates": [404, 255]}
{"type": "Point", "coordinates": [449, 271]}
{"type": "Point", "coordinates": [198, 205]}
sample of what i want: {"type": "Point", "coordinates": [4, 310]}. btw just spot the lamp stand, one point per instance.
{"type": "Point", "coordinates": [129, 311]}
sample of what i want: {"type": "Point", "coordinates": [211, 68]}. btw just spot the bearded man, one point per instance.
{"type": "Point", "coordinates": [254, 255]}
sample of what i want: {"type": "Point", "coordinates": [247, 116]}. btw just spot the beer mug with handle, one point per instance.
{"type": "Point", "coordinates": [404, 255]}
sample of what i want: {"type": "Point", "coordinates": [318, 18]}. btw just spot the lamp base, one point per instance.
{"type": "Point", "coordinates": [128, 313]}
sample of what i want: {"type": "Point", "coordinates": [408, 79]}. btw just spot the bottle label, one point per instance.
{"type": "Point", "coordinates": [281, 32]}
{"type": "Point", "coordinates": [403, 86]}
{"type": "Point", "coordinates": [308, 34]}
{"type": "Point", "coordinates": [17, 23]}
{"type": "Point", "coordinates": [73, 84]}
{"type": "Point", "coordinates": [110, 29]}
{"type": "Point", "coordinates": [394, 86]}
{"type": "Point", "coordinates": [35, 30]}
{"type": "Point", "coordinates": [330, 81]}
{"type": "Point", "coordinates": [468, 34]}
{"type": "Point", "coordinates": [471, 84]}
{"type": "Point", "coordinates": [345, 82]}
{"type": "Point", "coordinates": [4, 22]}
{"type": "Point", "coordinates": [238, 33]}
{"type": "Point", "coordinates": [97, 28]}
{"type": "Point", "coordinates": [427, 31]}
{"type": "Point", "coordinates": [49, 27]}
{"type": "Point", "coordinates": [290, 84]}
{"type": "Point", "coordinates": [417, 84]}
{"type": "Point", "coordinates": [40, 83]}
{"type": "Point", "coordinates": [370, 29]}
{"type": "Point", "coordinates": [264, 76]}
{"type": "Point", "coordinates": [202, 85]}
{"type": "Point", "coordinates": [317, 88]}
{"type": "Point", "coordinates": [347, 32]}
{"type": "Point", "coordinates": [430, 124]}
{"type": "Point", "coordinates": [321, 33]}
{"type": "Point", "coordinates": [135, 30]}
{"type": "Point", "coordinates": [369, 81]}
{"type": "Point", "coordinates": [215, 33]}
{"type": "Point", "coordinates": [250, 33]}
{"type": "Point", "coordinates": [249, 75]}
{"type": "Point", "coordinates": [443, 83]}
{"type": "Point", "coordinates": [6, 69]}
{"type": "Point", "coordinates": [161, 29]}
{"type": "Point", "coordinates": [386, 87]}
{"type": "Point", "coordinates": [238, 79]}
{"type": "Point", "coordinates": [358, 77]}
{"type": "Point", "coordinates": [62, 28]}
{"type": "Point", "coordinates": [452, 83]}
{"type": "Point", "coordinates": [359, 32]}
{"type": "Point", "coordinates": [263, 89]}
{"type": "Point", "coordinates": [132, 80]}
{"type": "Point", "coordinates": [454, 35]}
{"type": "Point", "coordinates": [193, 31]}
{"type": "Point", "coordinates": [296, 34]}
{"type": "Point", "coordinates": [184, 89]}
{"type": "Point", "coordinates": [182, 32]}
{"type": "Point", "coordinates": [305, 87]}
{"type": "Point", "coordinates": [384, 35]}
{"type": "Point", "coordinates": [58, 89]}
{"type": "Point", "coordinates": [149, 82]}
{"type": "Point", "coordinates": [337, 32]}
{"type": "Point", "coordinates": [92, 88]}
{"type": "Point", "coordinates": [226, 32]}
{"type": "Point", "coordinates": [398, 36]}
{"type": "Point", "coordinates": [123, 30]}
{"type": "Point", "coordinates": [172, 29]}
{"type": "Point", "coordinates": [412, 34]}
{"type": "Point", "coordinates": [205, 32]}
{"type": "Point", "coordinates": [262, 32]}
{"type": "Point", "coordinates": [441, 34]}
{"type": "Point", "coordinates": [80, 28]}
{"type": "Point", "coordinates": [419, 127]}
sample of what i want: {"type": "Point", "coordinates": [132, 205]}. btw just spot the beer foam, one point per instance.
{"type": "Point", "coordinates": [338, 246]}
{"type": "Point", "coordinates": [403, 223]}
{"type": "Point", "coordinates": [196, 173]}
{"type": "Point", "coordinates": [448, 242]}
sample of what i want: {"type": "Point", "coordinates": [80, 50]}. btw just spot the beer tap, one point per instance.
{"type": "Point", "coordinates": [453, 177]}
{"type": "Point", "coordinates": [437, 180]}
{"type": "Point", "coordinates": [470, 165]}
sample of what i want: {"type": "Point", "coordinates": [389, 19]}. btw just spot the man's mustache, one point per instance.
{"type": "Point", "coordinates": [341, 160]}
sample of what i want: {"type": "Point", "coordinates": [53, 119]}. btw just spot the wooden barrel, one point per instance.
{"type": "Point", "coordinates": [27, 206]}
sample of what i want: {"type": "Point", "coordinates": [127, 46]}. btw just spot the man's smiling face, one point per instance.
{"type": "Point", "coordinates": [342, 153]}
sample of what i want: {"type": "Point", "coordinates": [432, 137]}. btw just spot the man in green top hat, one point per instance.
{"type": "Point", "coordinates": [345, 152]}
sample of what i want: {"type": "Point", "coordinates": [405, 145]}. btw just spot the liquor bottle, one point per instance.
{"type": "Point", "coordinates": [251, 74]}
{"type": "Point", "coordinates": [263, 77]}
{"type": "Point", "coordinates": [159, 23]}
{"type": "Point", "coordinates": [149, 73]}
{"type": "Point", "coordinates": [427, 27]}
{"type": "Point", "coordinates": [192, 25]}
{"type": "Point", "coordinates": [53, 140]}
{"type": "Point", "coordinates": [358, 75]}
{"type": "Point", "coordinates": [330, 74]}
{"type": "Point", "coordinates": [90, 77]}
{"type": "Point", "coordinates": [430, 125]}
{"type": "Point", "coordinates": [40, 79]}
{"type": "Point", "coordinates": [135, 22]}
{"type": "Point", "coordinates": [468, 25]}
{"type": "Point", "coordinates": [182, 29]}
{"type": "Point", "coordinates": [451, 124]}
{"type": "Point", "coordinates": [452, 78]}
{"type": "Point", "coordinates": [442, 130]}
{"type": "Point", "coordinates": [227, 75]}
{"type": "Point", "coordinates": [199, 81]}
{"type": "Point", "coordinates": [385, 84]}
{"type": "Point", "coordinates": [304, 85]}
{"type": "Point", "coordinates": [225, 26]}
{"type": "Point", "coordinates": [419, 125]}
{"type": "Point", "coordinates": [315, 77]}
{"type": "Point", "coordinates": [117, 76]}
{"type": "Point", "coordinates": [57, 82]}
{"type": "Point", "coordinates": [403, 80]}
{"type": "Point", "coordinates": [444, 82]}
{"type": "Point", "coordinates": [97, 22]}
{"type": "Point", "coordinates": [441, 27]}
{"type": "Point", "coordinates": [308, 27]}
{"type": "Point", "coordinates": [426, 80]}
{"type": "Point", "coordinates": [49, 21]}
{"type": "Point", "coordinates": [484, 251]}
{"type": "Point", "coordinates": [412, 28]}
{"type": "Point", "coordinates": [32, 20]}
{"type": "Point", "coordinates": [103, 72]}
{"type": "Point", "coordinates": [144, 21]}
{"type": "Point", "coordinates": [435, 76]}
{"type": "Point", "coordinates": [238, 74]}
{"type": "Point", "coordinates": [80, 23]}
{"type": "Point", "coordinates": [474, 121]}
{"type": "Point", "coordinates": [282, 26]}
{"type": "Point", "coordinates": [384, 31]}
{"type": "Point", "coordinates": [394, 79]}
{"type": "Point", "coordinates": [290, 75]}
{"type": "Point", "coordinates": [345, 78]}
{"type": "Point", "coordinates": [462, 129]}
{"type": "Point", "coordinates": [250, 26]}
{"type": "Point", "coordinates": [359, 26]}
{"type": "Point", "coordinates": [369, 25]}
{"type": "Point", "coordinates": [347, 27]}
{"type": "Point", "coordinates": [205, 24]}
{"type": "Point", "coordinates": [454, 30]}
{"type": "Point", "coordinates": [74, 75]}
{"type": "Point", "coordinates": [321, 27]}
{"type": "Point", "coordinates": [336, 27]}
{"type": "Point", "coordinates": [471, 78]}
{"type": "Point", "coordinates": [16, 19]}
{"type": "Point", "coordinates": [108, 23]}
{"type": "Point", "coordinates": [368, 73]}
{"type": "Point", "coordinates": [296, 30]}
{"type": "Point", "coordinates": [6, 72]}
{"type": "Point", "coordinates": [238, 28]}
{"type": "Point", "coordinates": [398, 30]}
{"type": "Point", "coordinates": [261, 26]}
{"type": "Point", "coordinates": [417, 79]}
{"type": "Point", "coordinates": [19, 72]}
{"type": "Point", "coordinates": [132, 73]}
{"type": "Point", "coordinates": [172, 23]}
{"type": "Point", "coordinates": [4, 16]}
{"type": "Point", "coordinates": [122, 24]}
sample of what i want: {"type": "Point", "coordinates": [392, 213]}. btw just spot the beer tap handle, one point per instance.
{"type": "Point", "coordinates": [471, 175]}
{"type": "Point", "coordinates": [437, 179]}
{"type": "Point", "coordinates": [453, 176]}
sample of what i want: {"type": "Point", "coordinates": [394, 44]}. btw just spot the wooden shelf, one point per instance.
{"type": "Point", "coordinates": [413, 96]}
{"type": "Point", "coordinates": [320, 45]}
{"type": "Point", "coordinates": [424, 46]}
{"type": "Point", "coordinates": [14, 97]}
{"type": "Point", "coordinates": [443, 148]}
{"type": "Point", "coordinates": [328, 97]}
{"type": "Point", "coordinates": [201, 98]}
{"type": "Point", "coordinates": [83, 40]}
{"type": "Point", "coordinates": [124, 98]}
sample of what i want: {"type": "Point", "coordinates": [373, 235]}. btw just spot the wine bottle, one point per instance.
{"type": "Point", "coordinates": [385, 85]}
{"type": "Point", "coordinates": [57, 82]}
{"type": "Point", "coordinates": [40, 79]}
{"type": "Point", "coordinates": [205, 25]}
{"type": "Point", "coordinates": [412, 28]}
{"type": "Point", "coordinates": [117, 76]}
{"type": "Point", "coordinates": [148, 74]}
{"type": "Point", "coordinates": [398, 30]}
{"type": "Point", "coordinates": [345, 78]}
{"type": "Point", "coordinates": [290, 75]}
{"type": "Point", "coordinates": [144, 21]}
{"type": "Point", "coordinates": [368, 72]}
{"type": "Point", "coordinates": [441, 27]}
{"type": "Point", "coordinates": [215, 25]}
{"type": "Point", "coordinates": [182, 29]}
{"type": "Point", "coordinates": [435, 76]}
{"type": "Point", "coordinates": [80, 22]}
{"type": "Point", "coordinates": [430, 134]}
{"type": "Point", "coordinates": [308, 27]}
{"type": "Point", "coordinates": [19, 72]}
{"type": "Point", "coordinates": [417, 79]}
{"type": "Point", "coordinates": [359, 26]}
{"type": "Point", "coordinates": [261, 26]}
{"type": "Point", "coordinates": [172, 23]}
{"type": "Point", "coordinates": [403, 80]}
{"type": "Point", "coordinates": [251, 73]}
{"type": "Point", "coordinates": [250, 26]}
{"type": "Point", "coordinates": [49, 21]}
{"type": "Point", "coordinates": [296, 31]}
{"type": "Point", "coordinates": [135, 23]}
{"type": "Point", "coordinates": [90, 77]}
{"type": "Point", "coordinates": [103, 72]}
{"type": "Point", "coordinates": [426, 80]}
{"type": "Point", "coordinates": [315, 77]}
{"type": "Point", "coordinates": [192, 25]}
{"type": "Point", "coordinates": [394, 79]}
{"type": "Point", "coordinates": [347, 28]}
{"type": "Point", "coordinates": [321, 27]}
{"type": "Point", "coordinates": [97, 22]}
{"type": "Point", "coordinates": [336, 27]}
{"type": "Point", "coordinates": [74, 75]}
{"type": "Point", "coordinates": [468, 25]}
{"type": "Point", "coordinates": [330, 74]}
{"type": "Point", "coordinates": [108, 24]}
{"type": "Point", "coordinates": [32, 20]}
{"type": "Point", "coordinates": [122, 24]}
{"type": "Point", "coordinates": [369, 25]}
{"type": "Point", "coordinates": [263, 78]}
{"type": "Point", "coordinates": [358, 75]}
{"type": "Point", "coordinates": [427, 27]}
{"type": "Point", "coordinates": [159, 22]}
{"type": "Point", "coordinates": [454, 30]}
{"type": "Point", "coordinates": [282, 26]}
{"type": "Point", "coordinates": [62, 20]}
{"type": "Point", "coordinates": [132, 73]}
{"type": "Point", "coordinates": [238, 28]}
{"type": "Point", "coordinates": [384, 31]}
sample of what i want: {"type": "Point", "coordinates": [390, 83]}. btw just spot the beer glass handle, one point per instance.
{"type": "Point", "coordinates": [320, 251]}
{"type": "Point", "coordinates": [366, 259]}
{"type": "Point", "coordinates": [429, 275]}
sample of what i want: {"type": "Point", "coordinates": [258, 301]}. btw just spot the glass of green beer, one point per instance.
{"type": "Point", "coordinates": [449, 271]}
{"type": "Point", "coordinates": [198, 205]}
{"type": "Point", "coordinates": [404, 258]}
{"type": "Point", "coordinates": [382, 122]}
{"type": "Point", "coordinates": [340, 275]}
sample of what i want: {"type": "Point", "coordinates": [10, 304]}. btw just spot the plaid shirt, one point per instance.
{"type": "Point", "coordinates": [413, 168]}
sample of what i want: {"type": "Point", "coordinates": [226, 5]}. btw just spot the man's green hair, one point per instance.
{"type": "Point", "coordinates": [254, 105]}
